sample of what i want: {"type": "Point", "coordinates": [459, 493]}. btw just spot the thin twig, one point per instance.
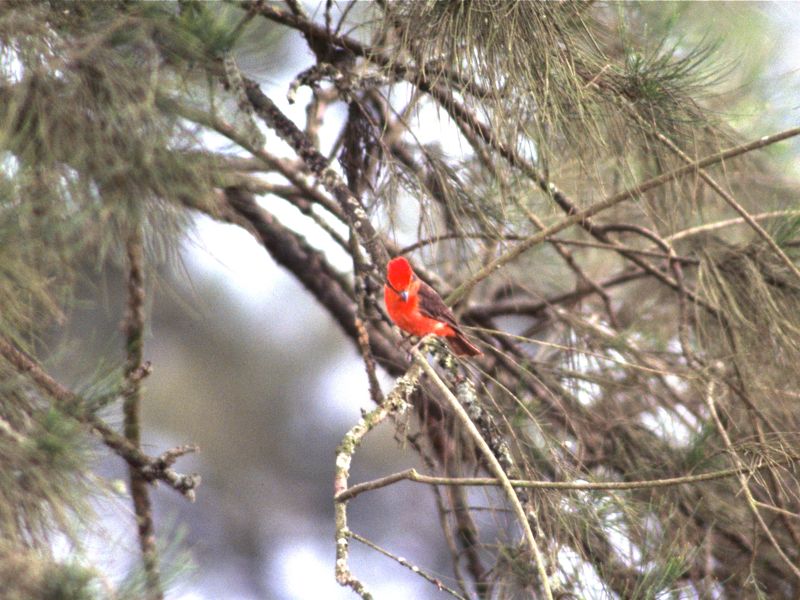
{"type": "Point", "coordinates": [413, 475]}
{"type": "Point", "coordinates": [297, 8]}
{"type": "Point", "coordinates": [555, 240]}
{"type": "Point", "coordinates": [776, 509]}
{"type": "Point", "coordinates": [692, 231]}
{"type": "Point", "coordinates": [360, 283]}
{"type": "Point", "coordinates": [389, 61]}
{"type": "Point", "coordinates": [415, 569]}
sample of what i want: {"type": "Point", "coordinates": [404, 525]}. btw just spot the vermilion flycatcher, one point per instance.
{"type": "Point", "coordinates": [417, 309]}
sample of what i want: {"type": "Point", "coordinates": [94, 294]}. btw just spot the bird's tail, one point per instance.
{"type": "Point", "coordinates": [461, 346]}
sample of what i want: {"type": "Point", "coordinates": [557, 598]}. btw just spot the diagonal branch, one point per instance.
{"type": "Point", "coordinates": [403, 562]}
{"type": "Point", "coordinates": [741, 470]}
{"type": "Point", "coordinates": [692, 231]}
{"type": "Point", "coordinates": [494, 466]}
{"type": "Point", "coordinates": [746, 216]}
{"type": "Point", "coordinates": [318, 165]}
{"type": "Point", "coordinates": [152, 469]}
{"type": "Point", "coordinates": [607, 203]}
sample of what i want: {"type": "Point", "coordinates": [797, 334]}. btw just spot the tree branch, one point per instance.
{"type": "Point", "coordinates": [152, 469]}
{"type": "Point", "coordinates": [413, 475]}
{"type": "Point", "coordinates": [318, 165]}
{"type": "Point", "coordinates": [131, 408]}
{"type": "Point", "coordinates": [396, 402]}
{"type": "Point", "coordinates": [602, 205]}
{"type": "Point", "coordinates": [741, 470]}
{"type": "Point", "coordinates": [494, 466]}
{"type": "Point", "coordinates": [413, 568]}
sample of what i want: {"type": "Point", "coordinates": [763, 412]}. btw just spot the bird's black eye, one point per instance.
{"type": "Point", "coordinates": [394, 289]}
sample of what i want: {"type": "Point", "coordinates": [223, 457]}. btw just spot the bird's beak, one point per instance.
{"type": "Point", "coordinates": [404, 295]}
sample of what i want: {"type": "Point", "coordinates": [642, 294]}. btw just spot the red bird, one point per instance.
{"type": "Point", "coordinates": [417, 309]}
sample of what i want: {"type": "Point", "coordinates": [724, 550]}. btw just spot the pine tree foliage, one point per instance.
{"type": "Point", "coordinates": [568, 173]}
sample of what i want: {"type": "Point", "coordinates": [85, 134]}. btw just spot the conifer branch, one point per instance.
{"type": "Point", "coordinates": [152, 468]}
{"type": "Point", "coordinates": [731, 201]}
{"type": "Point", "coordinates": [611, 201]}
{"type": "Point", "coordinates": [318, 165]}
{"type": "Point", "coordinates": [741, 469]}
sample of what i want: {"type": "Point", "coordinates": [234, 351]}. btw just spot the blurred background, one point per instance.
{"type": "Point", "coordinates": [248, 368]}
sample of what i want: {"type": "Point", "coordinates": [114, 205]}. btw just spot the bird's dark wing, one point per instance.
{"type": "Point", "coordinates": [432, 306]}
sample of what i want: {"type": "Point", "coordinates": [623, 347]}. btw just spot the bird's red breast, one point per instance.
{"type": "Point", "coordinates": [406, 313]}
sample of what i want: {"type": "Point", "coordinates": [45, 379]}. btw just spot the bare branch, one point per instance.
{"type": "Point", "coordinates": [396, 402]}
{"type": "Point", "coordinates": [413, 568]}
{"type": "Point", "coordinates": [134, 333]}
{"type": "Point", "coordinates": [706, 227]}
{"type": "Point", "coordinates": [413, 475]}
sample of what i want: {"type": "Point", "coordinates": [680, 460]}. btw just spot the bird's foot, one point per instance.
{"type": "Point", "coordinates": [421, 345]}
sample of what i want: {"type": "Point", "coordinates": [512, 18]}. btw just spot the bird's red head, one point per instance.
{"type": "Point", "coordinates": [399, 273]}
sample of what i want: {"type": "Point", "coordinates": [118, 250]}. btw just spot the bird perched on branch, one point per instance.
{"type": "Point", "coordinates": [416, 308]}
